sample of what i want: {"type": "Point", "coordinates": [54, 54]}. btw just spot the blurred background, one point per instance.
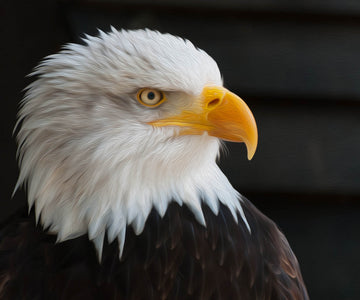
{"type": "Point", "coordinates": [297, 65]}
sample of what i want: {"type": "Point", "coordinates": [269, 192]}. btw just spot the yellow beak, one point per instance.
{"type": "Point", "coordinates": [219, 112]}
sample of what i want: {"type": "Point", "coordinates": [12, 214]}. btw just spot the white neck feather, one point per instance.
{"type": "Point", "coordinates": [111, 189]}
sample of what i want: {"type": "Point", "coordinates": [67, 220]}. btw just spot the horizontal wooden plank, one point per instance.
{"type": "Point", "coordinates": [302, 149]}
{"type": "Point", "coordinates": [262, 56]}
{"type": "Point", "coordinates": [299, 6]}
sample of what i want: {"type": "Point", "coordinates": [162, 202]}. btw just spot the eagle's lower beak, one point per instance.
{"type": "Point", "coordinates": [222, 114]}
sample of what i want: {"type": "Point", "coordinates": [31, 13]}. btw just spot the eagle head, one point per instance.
{"type": "Point", "coordinates": [127, 122]}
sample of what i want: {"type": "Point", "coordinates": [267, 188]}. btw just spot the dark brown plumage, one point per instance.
{"type": "Point", "coordinates": [173, 258]}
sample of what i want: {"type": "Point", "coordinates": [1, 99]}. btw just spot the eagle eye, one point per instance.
{"type": "Point", "coordinates": [150, 97]}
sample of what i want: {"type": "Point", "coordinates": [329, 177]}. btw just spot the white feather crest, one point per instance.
{"type": "Point", "coordinates": [90, 162]}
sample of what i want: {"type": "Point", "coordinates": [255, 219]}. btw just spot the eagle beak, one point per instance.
{"type": "Point", "coordinates": [219, 112]}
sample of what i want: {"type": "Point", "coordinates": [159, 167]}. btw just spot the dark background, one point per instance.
{"type": "Point", "coordinates": [297, 65]}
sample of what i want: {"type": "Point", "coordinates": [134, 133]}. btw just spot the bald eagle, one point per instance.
{"type": "Point", "coordinates": [117, 147]}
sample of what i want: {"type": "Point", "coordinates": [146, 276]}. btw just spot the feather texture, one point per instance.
{"type": "Point", "coordinates": [149, 203]}
{"type": "Point", "coordinates": [174, 257]}
{"type": "Point", "coordinates": [87, 156]}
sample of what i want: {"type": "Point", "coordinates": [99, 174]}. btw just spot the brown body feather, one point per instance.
{"type": "Point", "coordinates": [173, 258]}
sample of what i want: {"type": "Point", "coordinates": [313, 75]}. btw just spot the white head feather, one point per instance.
{"type": "Point", "coordinates": [89, 159]}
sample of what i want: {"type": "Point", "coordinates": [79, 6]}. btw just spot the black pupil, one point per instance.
{"type": "Point", "coordinates": [151, 95]}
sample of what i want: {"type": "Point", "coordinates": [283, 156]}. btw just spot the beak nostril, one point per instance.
{"type": "Point", "coordinates": [213, 103]}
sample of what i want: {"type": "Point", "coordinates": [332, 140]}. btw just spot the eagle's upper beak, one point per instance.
{"type": "Point", "coordinates": [219, 112]}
